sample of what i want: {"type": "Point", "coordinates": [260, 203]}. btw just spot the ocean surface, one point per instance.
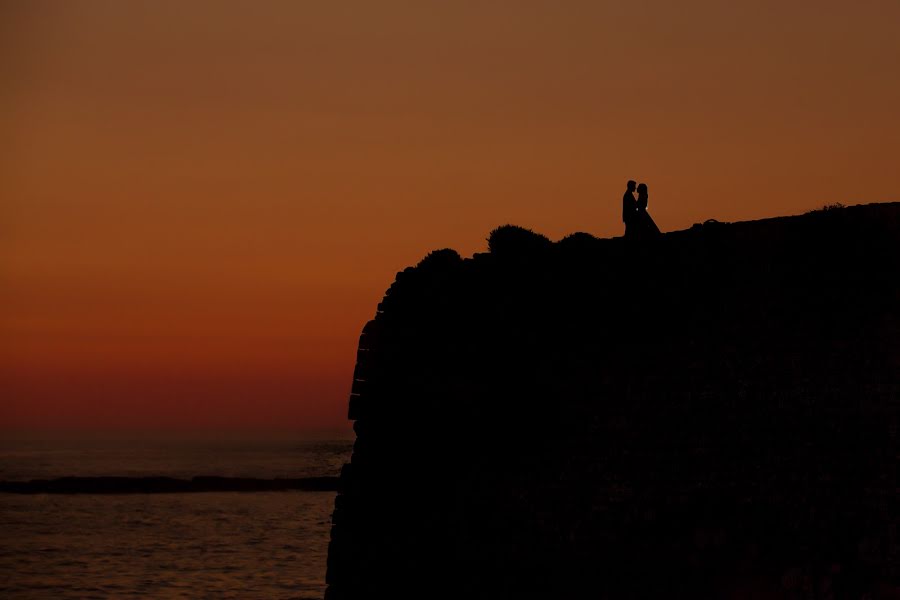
{"type": "Point", "coordinates": [200, 545]}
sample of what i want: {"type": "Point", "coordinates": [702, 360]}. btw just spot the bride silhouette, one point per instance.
{"type": "Point", "coordinates": [644, 227]}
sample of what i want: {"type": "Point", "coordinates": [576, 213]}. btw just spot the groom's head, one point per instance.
{"type": "Point", "coordinates": [631, 185]}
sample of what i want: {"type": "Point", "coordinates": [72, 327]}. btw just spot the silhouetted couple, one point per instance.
{"type": "Point", "coordinates": [638, 223]}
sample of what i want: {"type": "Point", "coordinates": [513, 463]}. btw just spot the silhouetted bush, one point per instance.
{"type": "Point", "coordinates": [511, 239]}
{"type": "Point", "coordinates": [439, 259]}
{"type": "Point", "coordinates": [578, 240]}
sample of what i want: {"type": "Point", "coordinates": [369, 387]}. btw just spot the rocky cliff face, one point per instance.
{"type": "Point", "coordinates": [713, 414]}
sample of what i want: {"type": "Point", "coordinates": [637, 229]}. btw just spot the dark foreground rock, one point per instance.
{"type": "Point", "coordinates": [713, 414]}
{"type": "Point", "coordinates": [165, 485]}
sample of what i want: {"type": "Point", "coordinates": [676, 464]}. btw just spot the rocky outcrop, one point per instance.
{"type": "Point", "coordinates": [712, 414]}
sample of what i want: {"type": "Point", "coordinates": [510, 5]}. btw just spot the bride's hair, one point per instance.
{"type": "Point", "coordinates": [642, 189]}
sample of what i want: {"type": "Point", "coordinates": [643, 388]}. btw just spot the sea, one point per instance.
{"type": "Point", "coordinates": [174, 545]}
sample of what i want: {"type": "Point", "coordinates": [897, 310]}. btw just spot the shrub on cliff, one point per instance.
{"type": "Point", "coordinates": [577, 242]}
{"type": "Point", "coordinates": [509, 240]}
{"type": "Point", "coordinates": [440, 259]}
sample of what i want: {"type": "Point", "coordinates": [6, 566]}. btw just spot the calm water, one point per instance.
{"type": "Point", "coordinates": [217, 545]}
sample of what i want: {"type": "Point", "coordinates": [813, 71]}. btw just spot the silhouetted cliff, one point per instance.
{"type": "Point", "coordinates": [712, 414]}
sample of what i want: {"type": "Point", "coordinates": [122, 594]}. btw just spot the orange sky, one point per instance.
{"type": "Point", "coordinates": [202, 202]}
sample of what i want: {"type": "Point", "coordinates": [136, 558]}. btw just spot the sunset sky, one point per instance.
{"type": "Point", "coordinates": [201, 203]}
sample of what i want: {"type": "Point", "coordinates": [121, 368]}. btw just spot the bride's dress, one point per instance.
{"type": "Point", "coordinates": [643, 222]}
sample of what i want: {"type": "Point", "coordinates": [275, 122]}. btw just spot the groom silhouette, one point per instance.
{"type": "Point", "coordinates": [629, 208]}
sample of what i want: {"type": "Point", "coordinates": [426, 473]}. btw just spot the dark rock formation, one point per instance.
{"type": "Point", "coordinates": [713, 414]}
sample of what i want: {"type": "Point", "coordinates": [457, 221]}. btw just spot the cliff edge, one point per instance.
{"type": "Point", "coordinates": [713, 414]}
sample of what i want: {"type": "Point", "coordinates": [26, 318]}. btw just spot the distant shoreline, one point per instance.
{"type": "Point", "coordinates": [166, 485]}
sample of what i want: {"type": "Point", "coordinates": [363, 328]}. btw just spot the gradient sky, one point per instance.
{"type": "Point", "coordinates": [201, 203]}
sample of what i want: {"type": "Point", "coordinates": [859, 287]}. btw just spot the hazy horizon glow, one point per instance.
{"type": "Point", "coordinates": [202, 203]}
